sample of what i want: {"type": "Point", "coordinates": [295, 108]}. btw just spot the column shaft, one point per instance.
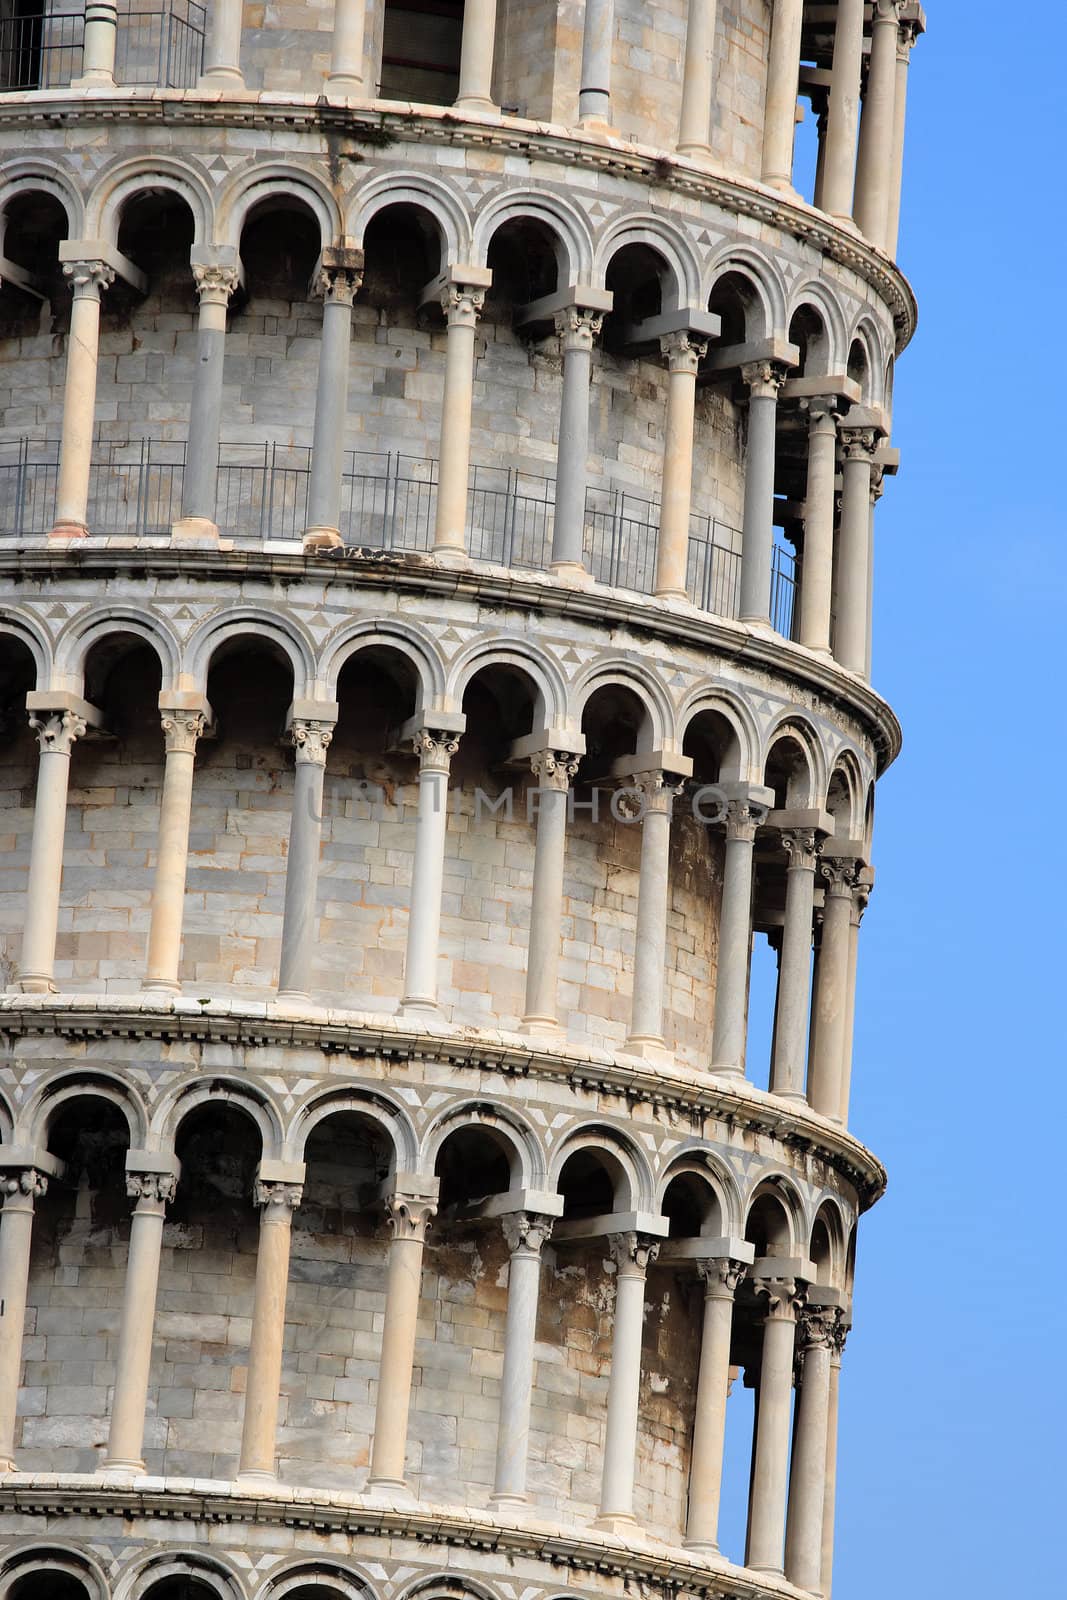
{"type": "Point", "coordinates": [850, 637]}
{"type": "Point", "coordinates": [843, 123]}
{"type": "Point", "coordinates": [222, 57]}
{"type": "Point", "coordinates": [133, 1364]}
{"type": "Point", "coordinates": [830, 1009]}
{"type": "Point", "coordinates": [859, 902]}
{"type": "Point", "coordinates": [672, 557]}
{"type": "Point", "coordinates": [462, 305]}
{"type": "Point", "coordinates": [653, 896]}
{"type": "Point", "coordinates": [826, 1565]}
{"type": "Point", "coordinates": [766, 1533]}
{"type": "Point", "coordinates": [98, 50]}
{"type": "Point", "coordinates": [594, 98]}
{"type": "Point", "coordinates": [553, 772]}
{"type": "Point", "coordinates": [56, 733]}
{"type": "Point", "coordinates": [709, 1423]}
{"type": "Point", "coordinates": [435, 751]}
{"type": "Point", "coordinates": [757, 539]}
{"type": "Point", "coordinates": [633, 1255]}
{"type": "Point", "coordinates": [817, 568]}
{"type": "Point", "coordinates": [410, 1219]}
{"type": "Point", "coordinates": [694, 125]}
{"type": "Point", "coordinates": [807, 1477]}
{"type": "Point", "coordinates": [735, 939]}
{"type": "Point", "coordinates": [338, 288]}
{"type": "Point", "coordinates": [88, 278]}
{"type": "Point", "coordinates": [577, 330]}
{"type": "Point", "coordinates": [794, 973]}
{"type": "Point", "coordinates": [905, 40]}
{"type": "Point", "coordinates": [277, 1201]}
{"type": "Point", "coordinates": [16, 1230]}
{"type": "Point", "coordinates": [312, 740]}
{"type": "Point", "coordinates": [525, 1234]}
{"type": "Point", "coordinates": [181, 730]}
{"type": "Point", "coordinates": [780, 112]}
{"type": "Point", "coordinates": [874, 166]}
{"type": "Point", "coordinates": [476, 56]}
{"type": "Point", "coordinates": [215, 285]}
{"type": "Point", "coordinates": [345, 76]}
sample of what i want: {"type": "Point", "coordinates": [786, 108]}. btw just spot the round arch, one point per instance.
{"type": "Point", "coordinates": [30, 175]}
{"type": "Point", "coordinates": [81, 633]}
{"type": "Point", "coordinates": [118, 184]}
{"type": "Point", "coordinates": [791, 725]}
{"type": "Point", "coordinates": [810, 292]}
{"type": "Point", "coordinates": [255, 623]}
{"type": "Point", "coordinates": [866, 334]}
{"type": "Point", "coordinates": [138, 1581]}
{"type": "Point", "coordinates": [37, 1115]}
{"type": "Point", "coordinates": [682, 286]}
{"type": "Point", "coordinates": [847, 767]}
{"type": "Point", "coordinates": [564, 221]}
{"type": "Point", "coordinates": [23, 1559]}
{"type": "Point", "coordinates": [192, 1093]}
{"type": "Point", "coordinates": [738, 716]}
{"type": "Point", "coordinates": [615, 672]}
{"type": "Point", "coordinates": [828, 1212]}
{"type": "Point", "coordinates": [439, 200]}
{"type": "Point", "coordinates": [500, 1119]}
{"type": "Point", "coordinates": [334, 1582]}
{"type": "Point", "coordinates": [408, 640]}
{"type": "Point", "coordinates": [761, 271]}
{"type": "Point", "coordinates": [542, 672]}
{"type": "Point", "coordinates": [281, 180]}
{"type": "Point", "coordinates": [779, 1187]}
{"type": "Point", "coordinates": [447, 1587]}
{"type": "Point", "coordinates": [698, 1161]}
{"type": "Point", "coordinates": [28, 632]}
{"type": "Point", "coordinates": [601, 1136]}
{"type": "Point", "coordinates": [375, 1106]}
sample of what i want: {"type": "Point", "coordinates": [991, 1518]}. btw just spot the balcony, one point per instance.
{"type": "Point", "coordinates": [387, 503]}
{"type": "Point", "coordinates": [157, 46]}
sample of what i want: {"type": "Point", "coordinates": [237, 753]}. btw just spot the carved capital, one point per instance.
{"type": "Point", "coordinates": [818, 1326]}
{"type": "Point", "coordinates": [283, 1196]}
{"type": "Point", "coordinates": [410, 1215]}
{"type": "Point", "coordinates": [886, 11]}
{"type": "Point", "coordinates": [526, 1231]}
{"type": "Point", "coordinates": [743, 817]}
{"type": "Point", "coordinates": [337, 285]}
{"type": "Point", "coordinates": [783, 1297]}
{"type": "Point", "coordinates": [801, 845]}
{"type": "Point", "coordinates": [88, 279]}
{"type": "Point", "coordinates": [839, 874]}
{"type": "Point", "coordinates": [57, 730]}
{"type": "Point", "coordinates": [181, 730]}
{"type": "Point", "coordinates": [858, 444]}
{"type": "Point", "coordinates": [721, 1277]}
{"type": "Point", "coordinates": [462, 304]}
{"type": "Point", "coordinates": [311, 739]}
{"type": "Point", "coordinates": [578, 328]}
{"type": "Point", "coordinates": [29, 1182]}
{"type": "Point", "coordinates": [435, 748]}
{"type": "Point", "coordinates": [650, 792]}
{"type": "Point", "coordinates": [764, 378]}
{"type": "Point", "coordinates": [554, 769]}
{"type": "Point", "coordinates": [214, 283]}
{"type": "Point", "coordinates": [159, 1187]}
{"type": "Point", "coordinates": [683, 351]}
{"type": "Point", "coordinates": [633, 1252]}
{"type": "Point", "coordinates": [909, 31]}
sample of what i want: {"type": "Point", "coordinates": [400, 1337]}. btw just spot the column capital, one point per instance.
{"type": "Point", "coordinates": [656, 791]}
{"type": "Point", "coordinates": [801, 845]}
{"type": "Point", "coordinates": [721, 1275]}
{"type": "Point", "coordinates": [526, 1231]}
{"type": "Point", "coordinates": [435, 747]}
{"type": "Point", "coordinates": [907, 34]}
{"type": "Point", "coordinates": [743, 817]}
{"type": "Point", "coordinates": [215, 282]}
{"type": "Point", "coordinates": [886, 12]}
{"type": "Point", "coordinates": [858, 443]}
{"type": "Point", "coordinates": [57, 730]}
{"type": "Point", "coordinates": [577, 327]}
{"type": "Point", "coordinates": [784, 1297]}
{"type": "Point", "coordinates": [284, 1197]}
{"type": "Point", "coordinates": [817, 1326]}
{"type": "Point", "coordinates": [337, 284]}
{"type": "Point", "coordinates": [554, 769]}
{"type": "Point", "coordinates": [462, 304]}
{"type": "Point", "coordinates": [684, 351]}
{"type": "Point", "coordinates": [89, 278]}
{"type": "Point", "coordinates": [311, 738]}
{"type": "Point", "coordinates": [861, 894]}
{"type": "Point", "coordinates": [181, 729]}
{"type": "Point", "coordinates": [764, 378]}
{"type": "Point", "coordinates": [633, 1253]}
{"type": "Point", "coordinates": [156, 1188]}
{"type": "Point", "coordinates": [28, 1183]}
{"type": "Point", "coordinates": [410, 1215]}
{"type": "Point", "coordinates": [839, 873]}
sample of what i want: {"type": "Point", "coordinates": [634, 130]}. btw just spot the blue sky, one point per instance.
{"type": "Point", "coordinates": [954, 1416]}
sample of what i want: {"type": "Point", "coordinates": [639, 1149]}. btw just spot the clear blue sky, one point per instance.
{"type": "Point", "coordinates": [954, 1426]}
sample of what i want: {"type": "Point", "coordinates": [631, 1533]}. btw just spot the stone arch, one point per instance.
{"type": "Point", "coordinates": [23, 1559]}
{"type": "Point", "coordinates": [30, 174]}
{"type": "Point", "coordinates": [810, 292]}
{"type": "Point", "coordinates": [847, 768]}
{"type": "Point", "coordinates": [263, 181]}
{"type": "Point", "coordinates": [790, 725]}
{"type": "Point", "coordinates": [734, 711]}
{"type": "Point", "coordinates": [865, 334]}
{"type": "Point", "coordinates": [256, 623]}
{"type": "Point", "coordinates": [377, 1107]}
{"type": "Point", "coordinates": [407, 639]}
{"type": "Point", "coordinates": [762, 273]}
{"type": "Point", "coordinates": [778, 1190]}
{"type": "Point", "coordinates": [682, 285]}
{"type": "Point", "coordinates": [696, 1160]}
{"type": "Point", "coordinates": [28, 631]}
{"type": "Point", "coordinates": [438, 200]}
{"type": "Point", "coordinates": [37, 1115]}
{"type": "Point", "coordinates": [563, 220]}
{"type": "Point", "coordinates": [528, 1164]}
{"type": "Point", "coordinates": [829, 1214]}
{"type": "Point", "coordinates": [81, 633]}
{"type": "Point", "coordinates": [189, 1095]}
{"type": "Point", "coordinates": [641, 681]}
{"type": "Point", "coordinates": [138, 1581]}
{"type": "Point", "coordinates": [120, 183]}
{"type": "Point", "coordinates": [534, 664]}
{"type": "Point", "coordinates": [336, 1583]}
{"type": "Point", "coordinates": [447, 1587]}
{"type": "Point", "coordinates": [638, 1182]}
{"type": "Point", "coordinates": [7, 1120]}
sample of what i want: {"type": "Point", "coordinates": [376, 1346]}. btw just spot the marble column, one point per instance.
{"type": "Point", "coordinates": [435, 748]}
{"type": "Point", "coordinates": [766, 1529]}
{"type": "Point", "coordinates": [410, 1216]}
{"type": "Point", "coordinates": [98, 51]}
{"type": "Point", "coordinates": [684, 354]}
{"type": "Point", "coordinates": [654, 794]}
{"type": "Point", "coordinates": [277, 1202]}
{"type": "Point", "coordinates": [20, 1190]}
{"type": "Point", "coordinates": [215, 284]}
{"type": "Point", "coordinates": [874, 166]}
{"type": "Point", "coordinates": [553, 772]}
{"type": "Point", "coordinates": [877, 490]}
{"type": "Point", "coordinates": [853, 561]}
{"type": "Point", "coordinates": [598, 37]}
{"type": "Point", "coordinates": [818, 562]}
{"type": "Point", "coordinates": [525, 1233]}
{"type": "Point", "coordinates": [721, 1278]}
{"type": "Point", "coordinates": [694, 124]}
{"type": "Point", "coordinates": [182, 729]}
{"type": "Point", "coordinates": [462, 304]}
{"type": "Point", "coordinates": [807, 1475]}
{"type": "Point", "coordinates": [826, 1565]}
{"type": "Point", "coordinates": [743, 817]}
{"type": "Point", "coordinates": [909, 32]}
{"type": "Point", "coordinates": [476, 56]}
{"type": "Point", "coordinates": [222, 57]}
{"type": "Point", "coordinates": [88, 279]}
{"type": "Point", "coordinates": [338, 286]}
{"type": "Point", "coordinates": [153, 1192]}
{"type": "Point", "coordinates": [577, 329]}
{"type": "Point", "coordinates": [860, 897]}
{"type": "Point", "coordinates": [780, 110]}
{"type": "Point", "coordinates": [830, 1008]}
{"type": "Point", "coordinates": [764, 379]}
{"type": "Point", "coordinates": [633, 1254]}
{"type": "Point", "coordinates": [843, 121]}
{"type": "Point", "coordinates": [311, 740]}
{"type": "Point", "coordinates": [794, 973]}
{"type": "Point", "coordinates": [56, 733]}
{"type": "Point", "coordinates": [345, 76]}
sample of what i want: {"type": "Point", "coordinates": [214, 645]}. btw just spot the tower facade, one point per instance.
{"type": "Point", "coordinates": [439, 444]}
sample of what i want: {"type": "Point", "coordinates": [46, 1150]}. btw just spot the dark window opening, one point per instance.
{"type": "Point", "coordinates": [420, 51]}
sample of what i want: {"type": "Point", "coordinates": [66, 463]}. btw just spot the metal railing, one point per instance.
{"type": "Point", "coordinates": [388, 501]}
{"type": "Point", "coordinates": [157, 46]}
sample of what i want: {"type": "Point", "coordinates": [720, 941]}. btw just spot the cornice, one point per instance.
{"type": "Point", "coordinates": [541, 593]}
{"type": "Point", "coordinates": [361, 1035]}
{"type": "Point", "coordinates": [206, 1501]}
{"type": "Point", "coordinates": [383, 123]}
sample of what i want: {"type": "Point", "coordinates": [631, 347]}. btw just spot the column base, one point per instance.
{"type": "Point", "coordinates": [702, 1547]}
{"type": "Point", "coordinates": [674, 595]}
{"type": "Point", "coordinates": [37, 983]}
{"type": "Point", "coordinates": [617, 1522]}
{"type": "Point", "coordinates": [323, 539]}
{"type": "Point", "coordinates": [509, 1502]}
{"type": "Point", "coordinates": [795, 1095]}
{"type": "Point", "coordinates": [136, 1469]}
{"type": "Point", "coordinates": [783, 185]}
{"type": "Point", "coordinates": [572, 572]}
{"type": "Point", "coordinates": [160, 986]}
{"type": "Point", "coordinates": [94, 80]}
{"type": "Point", "coordinates": [198, 530]}
{"type": "Point", "coordinates": [543, 1027]}
{"type": "Point", "coordinates": [299, 997]}
{"type": "Point", "coordinates": [344, 86]}
{"type": "Point", "coordinates": [727, 1069]}
{"type": "Point", "coordinates": [694, 149]}
{"type": "Point", "coordinates": [254, 1476]}
{"type": "Point", "coordinates": [477, 103]}
{"type": "Point", "coordinates": [848, 223]}
{"type": "Point", "coordinates": [648, 1049]}
{"type": "Point", "coordinates": [451, 555]}
{"type": "Point", "coordinates": [221, 78]}
{"type": "Point", "coordinates": [7, 1464]}
{"type": "Point", "coordinates": [389, 1486]}
{"type": "Point", "coordinates": [419, 1011]}
{"type": "Point", "coordinates": [63, 532]}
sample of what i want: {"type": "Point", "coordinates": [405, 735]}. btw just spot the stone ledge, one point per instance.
{"type": "Point", "coordinates": [357, 1033]}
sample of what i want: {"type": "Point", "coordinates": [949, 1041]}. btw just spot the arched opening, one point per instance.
{"type": "Point", "coordinates": [182, 1586]}
{"type": "Point", "coordinates": [18, 776]}
{"type": "Point", "coordinates": [46, 1583]}
{"type": "Point", "coordinates": [821, 1247]}
{"type": "Point", "coordinates": [34, 307]}
{"type": "Point", "coordinates": [593, 1183]}
{"type": "Point", "coordinates": [692, 1208]}
{"type": "Point", "coordinates": [859, 369]}
{"type": "Point", "coordinates": [472, 1164]}
{"type": "Point", "coordinates": [737, 302]}
{"type": "Point", "coordinates": [31, 228]}
{"type": "Point", "coordinates": [767, 1227]}
{"type": "Point", "coordinates": [839, 804]}
{"type": "Point", "coordinates": [788, 772]}
{"type": "Point", "coordinates": [421, 45]}
{"type": "Point", "coordinates": [807, 331]}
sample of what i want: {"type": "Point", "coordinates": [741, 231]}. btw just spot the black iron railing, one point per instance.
{"type": "Point", "coordinates": [157, 46]}
{"type": "Point", "coordinates": [388, 502]}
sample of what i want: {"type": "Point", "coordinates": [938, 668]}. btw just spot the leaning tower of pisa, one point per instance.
{"type": "Point", "coordinates": [439, 445]}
